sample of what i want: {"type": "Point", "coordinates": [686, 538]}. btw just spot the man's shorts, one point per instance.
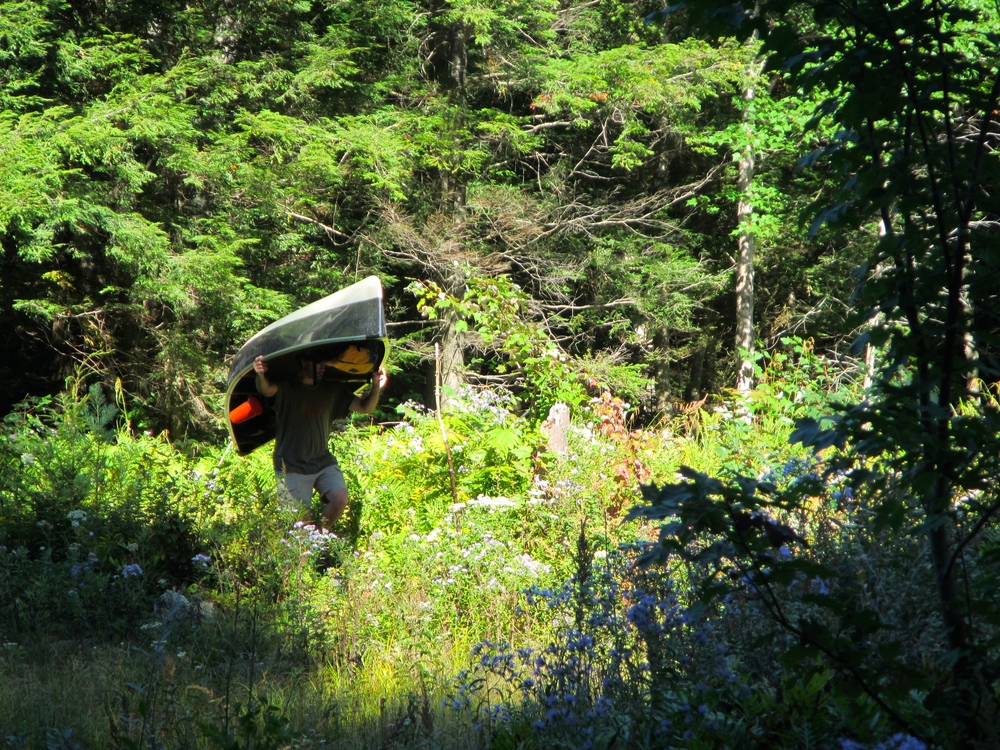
{"type": "Point", "coordinates": [295, 490]}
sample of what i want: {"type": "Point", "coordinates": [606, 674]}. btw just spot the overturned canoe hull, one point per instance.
{"type": "Point", "coordinates": [320, 331]}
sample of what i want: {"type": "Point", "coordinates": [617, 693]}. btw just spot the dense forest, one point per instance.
{"type": "Point", "coordinates": [177, 175]}
{"type": "Point", "coordinates": [753, 249]}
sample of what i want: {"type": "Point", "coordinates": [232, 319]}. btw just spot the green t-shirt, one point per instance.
{"type": "Point", "coordinates": [304, 416]}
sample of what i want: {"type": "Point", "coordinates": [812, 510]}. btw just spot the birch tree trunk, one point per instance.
{"type": "Point", "coordinates": [870, 362]}
{"type": "Point", "coordinates": [745, 251]}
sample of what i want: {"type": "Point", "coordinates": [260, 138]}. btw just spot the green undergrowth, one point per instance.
{"type": "Point", "coordinates": [156, 590]}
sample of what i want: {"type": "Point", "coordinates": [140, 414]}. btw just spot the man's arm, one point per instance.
{"type": "Point", "coordinates": [367, 404]}
{"type": "Point", "coordinates": [264, 386]}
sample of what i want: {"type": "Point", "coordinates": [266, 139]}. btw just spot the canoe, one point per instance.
{"type": "Point", "coordinates": [346, 329]}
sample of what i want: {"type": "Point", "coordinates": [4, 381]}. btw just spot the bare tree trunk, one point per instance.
{"type": "Point", "coordinates": [459, 59]}
{"type": "Point", "coordinates": [661, 345]}
{"type": "Point", "coordinates": [869, 367]}
{"type": "Point", "coordinates": [692, 389]}
{"type": "Point", "coordinates": [452, 340]}
{"type": "Point", "coordinates": [702, 365]}
{"type": "Point", "coordinates": [452, 356]}
{"type": "Point", "coordinates": [869, 349]}
{"type": "Point", "coordinates": [745, 256]}
{"type": "Point", "coordinates": [971, 351]}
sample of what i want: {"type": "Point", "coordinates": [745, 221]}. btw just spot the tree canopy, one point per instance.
{"type": "Point", "coordinates": [175, 176]}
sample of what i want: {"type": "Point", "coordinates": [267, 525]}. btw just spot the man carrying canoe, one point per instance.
{"type": "Point", "coordinates": [306, 407]}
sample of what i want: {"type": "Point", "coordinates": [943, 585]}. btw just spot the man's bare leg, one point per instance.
{"type": "Point", "coordinates": [334, 504]}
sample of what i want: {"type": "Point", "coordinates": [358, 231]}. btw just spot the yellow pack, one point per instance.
{"type": "Point", "coordinates": [355, 360]}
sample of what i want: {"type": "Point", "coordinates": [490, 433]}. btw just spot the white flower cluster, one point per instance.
{"type": "Point", "coordinates": [485, 501]}
{"type": "Point", "coordinates": [403, 439]}
{"type": "Point", "coordinates": [525, 563]}
{"type": "Point", "coordinates": [493, 403]}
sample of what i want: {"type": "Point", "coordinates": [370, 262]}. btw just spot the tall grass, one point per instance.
{"type": "Point", "coordinates": [419, 623]}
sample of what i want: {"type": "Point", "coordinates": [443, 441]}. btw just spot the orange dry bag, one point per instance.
{"type": "Point", "coordinates": [249, 408]}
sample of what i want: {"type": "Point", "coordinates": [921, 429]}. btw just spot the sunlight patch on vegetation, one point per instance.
{"type": "Point", "coordinates": [169, 572]}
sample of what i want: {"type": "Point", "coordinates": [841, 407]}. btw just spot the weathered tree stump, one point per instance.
{"type": "Point", "coordinates": [556, 428]}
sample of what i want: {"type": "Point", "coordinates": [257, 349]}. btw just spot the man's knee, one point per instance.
{"type": "Point", "coordinates": [334, 504]}
{"type": "Point", "coordinates": [338, 496]}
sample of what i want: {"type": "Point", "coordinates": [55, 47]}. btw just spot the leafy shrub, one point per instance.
{"type": "Point", "coordinates": [692, 654]}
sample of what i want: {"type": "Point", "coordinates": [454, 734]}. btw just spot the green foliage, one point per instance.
{"type": "Point", "coordinates": [497, 309]}
{"type": "Point", "coordinates": [521, 346]}
{"type": "Point", "coordinates": [533, 559]}
{"type": "Point", "coordinates": [492, 454]}
{"type": "Point", "coordinates": [176, 175]}
{"type": "Point", "coordinates": [921, 440]}
{"type": "Point", "coordinates": [87, 528]}
{"type": "Point", "coordinates": [676, 82]}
